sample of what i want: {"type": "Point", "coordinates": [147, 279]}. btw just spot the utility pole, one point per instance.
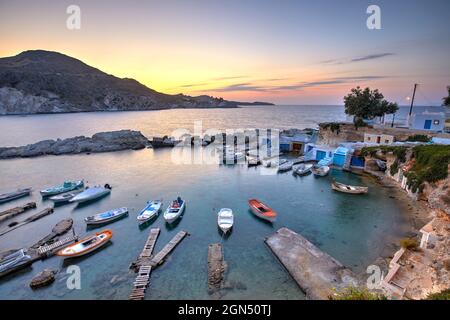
{"type": "Point", "coordinates": [412, 100]}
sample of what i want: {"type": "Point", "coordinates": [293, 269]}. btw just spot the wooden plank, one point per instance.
{"type": "Point", "coordinates": [160, 256]}
{"type": "Point", "coordinates": [16, 211]}
{"type": "Point", "coordinates": [32, 218]}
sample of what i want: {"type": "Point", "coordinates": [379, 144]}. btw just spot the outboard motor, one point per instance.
{"type": "Point", "coordinates": [107, 186]}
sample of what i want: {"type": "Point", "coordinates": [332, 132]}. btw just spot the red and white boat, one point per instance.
{"type": "Point", "coordinates": [86, 245]}
{"type": "Point", "coordinates": [261, 210]}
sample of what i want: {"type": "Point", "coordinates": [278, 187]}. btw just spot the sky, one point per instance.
{"type": "Point", "coordinates": [286, 52]}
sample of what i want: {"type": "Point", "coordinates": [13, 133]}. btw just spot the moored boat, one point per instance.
{"type": "Point", "coordinates": [92, 194]}
{"type": "Point", "coordinates": [86, 245]}
{"type": "Point", "coordinates": [106, 217]}
{"type": "Point", "coordinates": [286, 166]}
{"type": "Point", "coordinates": [302, 169]}
{"type": "Point", "coordinates": [65, 187]}
{"type": "Point", "coordinates": [13, 260]}
{"type": "Point", "coordinates": [225, 219]}
{"type": "Point", "coordinates": [320, 171]}
{"type": "Point", "coordinates": [5, 197]}
{"type": "Point", "coordinates": [261, 210]}
{"type": "Point", "coordinates": [150, 211]}
{"type": "Point", "coordinates": [174, 211]}
{"type": "Point", "coordinates": [337, 186]}
{"type": "Point", "coordinates": [62, 198]}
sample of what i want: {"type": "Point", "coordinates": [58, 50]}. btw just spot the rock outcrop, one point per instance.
{"type": "Point", "coordinates": [43, 279]}
{"type": "Point", "coordinates": [99, 142]}
{"type": "Point", "coordinates": [41, 81]}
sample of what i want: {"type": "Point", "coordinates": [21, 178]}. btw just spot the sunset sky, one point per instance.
{"type": "Point", "coordinates": [287, 52]}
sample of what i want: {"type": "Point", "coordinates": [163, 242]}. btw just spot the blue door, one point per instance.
{"type": "Point", "coordinates": [320, 155]}
{"type": "Point", "coordinates": [427, 125]}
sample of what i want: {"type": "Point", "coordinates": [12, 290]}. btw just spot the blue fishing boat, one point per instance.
{"type": "Point", "coordinates": [106, 217]}
{"type": "Point", "coordinates": [65, 187]}
{"type": "Point", "coordinates": [150, 211]}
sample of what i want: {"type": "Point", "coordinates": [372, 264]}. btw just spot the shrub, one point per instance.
{"type": "Point", "coordinates": [443, 295]}
{"type": "Point", "coordinates": [353, 293]}
{"type": "Point", "coordinates": [419, 138]}
{"type": "Point", "coordinates": [409, 243]}
{"type": "Point", "coordinates": [333, 126]}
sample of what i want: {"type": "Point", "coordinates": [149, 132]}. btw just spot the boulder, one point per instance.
{"type": "Point", "coordinates": [44, 278]}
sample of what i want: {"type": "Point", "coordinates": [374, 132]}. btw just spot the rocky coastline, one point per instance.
{"type": "Point", "coordinates": [99, 142]}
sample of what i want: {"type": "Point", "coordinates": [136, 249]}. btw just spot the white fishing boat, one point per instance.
{"type": "Point", "coordinates": [174, 211]}
{"type": "Point", "coordinates": [302, 169]}
{"type": "Point", "coordinates": [150, 211]}
{"type": "Point", "coordinates": [345, 188]}
{"type": "Point", "coordinates": [86, 245]}
{"type": "Point", "coordinates": [106, 217]}
{"type": "Point", "coordinates": [62, 198]}
{"type": "Point", "coordinates": [65, 187]}
{"type": "Point", "coordinates": [286, 166]}
{"type": "Point", "coordinates": [320, 171]}
{"type": "Point", "coordinates": [91, 194]}
{"type": "Point", "coordinates": [225, 219]}
{"type": "Point", "coordinates": [13, 260]}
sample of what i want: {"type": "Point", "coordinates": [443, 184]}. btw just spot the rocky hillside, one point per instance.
{"type": "Point", "coordinates": [50, 82]}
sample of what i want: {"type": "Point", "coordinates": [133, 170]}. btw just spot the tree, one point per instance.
{"type": "Point", "coordinates": [447, 99]}
{"type": "Point", "coordinates": [367, 104]}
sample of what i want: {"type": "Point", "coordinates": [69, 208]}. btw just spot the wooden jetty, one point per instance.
{"type": "Point", "coordinates": [216, 267]}
{"type": "Point", "coordinates": [160, 256]}
{"type": "Point", "coordinates": [143, 278]}
{"type": "Point", "coordinates": [37, 216]}
{"type": "Point", "coordinates": [49, 249]}
{"type": "Point", "coordinates": [16, 211]}
{"type": "Point", "coordinates": [316, 272]}
{"type": "Point", "coordinates": [146, 262]}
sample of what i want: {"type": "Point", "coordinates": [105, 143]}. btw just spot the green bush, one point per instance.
{"type": "Point", "coordinates": [353, 293]}
{"type": "Point", "coordinates": [409, 243]}
{"type": "Point", "coordinates": [333, 126]}
{"type": "Point", "coordinates": [419, 138]}
{"type": "Point", "coordinates": [443, 295]}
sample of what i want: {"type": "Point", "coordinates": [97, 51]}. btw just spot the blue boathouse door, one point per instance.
{"type": "Point", "coordinates": [427, 124]}
{"type": "Point", "coordinates": [320, 155]}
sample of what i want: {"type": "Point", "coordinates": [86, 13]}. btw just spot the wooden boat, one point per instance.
{"type": "Point", "coordinates": [14, 195]}
{"type": "Point", "coordinates": [65, 187]}
{"type": "Point", "coordinates": [13, 260]}
{"type": "Point", "coordinates": [337, 186]}
{"type": "Point", "coordinates": [65, 197]}
{"type": "Point", "coordinates": [150, 211]}
{"type": "Point", "coordinates": [91, 194]}
{"type": "Point", "coordinates": [261, 210]}
{"type": "Point", "coordinates": [302, 169]}
{"type": "Point", "coordinates": [286, 166]}
{"type": "Point", "coordinates": [320, 171]}
{"type": "Point", "coordinates": [174, 211]}
{"type": "Point", "coordinates": [225, 219]}
{"type": "Point", "coordinates": [106, 217]}
{"type": "Point", "coordinates": [86, 245]}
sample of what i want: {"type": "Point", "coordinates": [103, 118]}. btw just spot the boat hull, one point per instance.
{"type": "Point", "coordinates": [256, 208]}
{"type": "Point", "coordinates": [118, 214]}
{"type": "Point", "coordinates": [146, 215]}
{"type": "Point", "coordinates": [172, 218]}
{"type": "Point", "coordinates": [107, 235]}
{"type": "Point", "coordinates": [81, 198]}
{"type": "Point", "coordinates": [15, 195]}
{"type": "Point", "coordinates": [349, 189]}
{"type": "Point", "coordinates": [61, 189]}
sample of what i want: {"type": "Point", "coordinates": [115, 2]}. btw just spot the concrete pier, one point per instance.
{"type": "Point", "coordinates": [316, 272]}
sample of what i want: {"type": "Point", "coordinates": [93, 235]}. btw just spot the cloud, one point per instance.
{"type": "Point", "coordinates": [357, 59]}
{"type": "Point", "coordinates": [228, 78]}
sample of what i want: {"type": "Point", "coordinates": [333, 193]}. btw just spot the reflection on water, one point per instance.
{"type": "Point", "coordinates": [353, 229]}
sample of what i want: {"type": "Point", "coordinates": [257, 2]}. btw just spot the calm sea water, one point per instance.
{"type": "Point", "coordinates": [353, 229]}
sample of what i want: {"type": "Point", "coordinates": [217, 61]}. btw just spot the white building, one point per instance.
{"type": "Point", "coordinates": [378, 138]}
{"type": "Point", "coordinates": [428, 120]}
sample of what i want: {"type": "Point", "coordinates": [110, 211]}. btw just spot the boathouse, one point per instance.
{"type": "Point", "coordinates": [432, 119]}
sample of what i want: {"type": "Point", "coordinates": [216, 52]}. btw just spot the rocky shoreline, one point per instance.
{"type": "Point", "coordinates": [99, 142]}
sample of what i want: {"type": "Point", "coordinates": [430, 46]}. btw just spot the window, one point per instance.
{"type": "Point", "coordinates": [436, 122]}
{"type": "Point", "coordinates": [386, 141]}
{"type": "Point", "coordinates": [368, 138]}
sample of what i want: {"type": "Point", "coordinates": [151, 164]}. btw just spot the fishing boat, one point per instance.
{"type": "Point", "coordinates": [86, 245]}
{"type": "Point", "coordinates": [261, 210]}
{"type": "Point", "coordinates": [62, 198]}
{"type": "Point", "coordinates": [13, 260]}
{"type": "Point", "coordinates": [302, 169]}
{"type": "Point", "coordinates": [320, 171]}
{"type": "Point", "coordinates": [286, 166]}
{"type": "Point", "coordinates": [273, 162]}
{"type": "Point", "coordinates": [337, 186]}
{"type": "Point", "coordinates": [14, 195]}
{"type": "Point", "coordinates": [106, 217]}
{"type": "Point", "coordinates": [298, 160]}
{"type": "Point", "coordinates": [225, 219]}
{"type": "Point", "coordinates": [174, 211]}
{"type": "Point", "coordinates": [150, 211]}
{"type": "Point", "coordinates": [92, 194]}
{"type": "Point", "coordinates": [65, 187]}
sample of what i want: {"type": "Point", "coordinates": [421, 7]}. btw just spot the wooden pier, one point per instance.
{"type": "Point", "coordinates": [146, 262]}
{"type": "Point", "coordinates": [14, 225]}
{"type": "Point", "coordinates": [49, 250]}
{"type": "Point", "coordinates": [7, 214]}
{"type": "Point", "coordinates": [216, 267]}
{"type": "Point", "coordinates": [143, 278]}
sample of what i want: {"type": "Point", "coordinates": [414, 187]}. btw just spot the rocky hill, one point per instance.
{"type": "Point", "coordinates": [49, 82]}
